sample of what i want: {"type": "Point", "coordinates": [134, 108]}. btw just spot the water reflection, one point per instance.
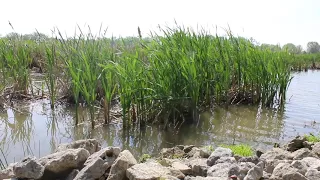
{"type": "Point", "coordinates": [33, 128]}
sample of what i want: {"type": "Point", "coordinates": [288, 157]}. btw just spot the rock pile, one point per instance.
{"type": "Point", "coordinates": [86, 160]}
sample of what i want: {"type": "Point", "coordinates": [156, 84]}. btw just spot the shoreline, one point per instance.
{"type": "Point", "coordinates": [86, 159]}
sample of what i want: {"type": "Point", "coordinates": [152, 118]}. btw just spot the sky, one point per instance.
{"type": "Point", "coordinates": [267, 21]}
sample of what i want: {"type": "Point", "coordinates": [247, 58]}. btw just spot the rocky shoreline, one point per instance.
{"type": "Point", "coordinates": [86, 160]}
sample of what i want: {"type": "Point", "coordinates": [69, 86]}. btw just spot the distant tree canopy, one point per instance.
{"type": "Point", "coordinates": [313, 47]}
{"type": "Point", "coordinates": [291, 48]}
{"type": "Point", "coordinates": [272, 47]}
{"type": "Point", "coordinates": [12, 35]}
{"type": "Point", "coordinates": [34, 36]}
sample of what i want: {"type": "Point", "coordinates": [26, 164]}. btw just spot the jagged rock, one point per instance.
{"type": "Point", "coordinates": [186, 170]}
{"type": "Point", "coordinates": [244, 168]}
{"type": "Point", "coordinates": [283, 169]}
{"type": "Point", "coordinates": [178, 146]}
{"type": "Point", "coordinates": [271, 164]}
{"type": "Point", "coordinates": [275, 153]}
{"type": "Point", "coordinates": [166, 161]}
{"type": "Point", "coordinates": [189, 148]}
{"type": "Point", "coordinates": [151, 170]}
{"type": "Point", "coordinates": [93, 170]}
{"type": "Point", "coordinates": [217, 154]}
{"type": "Point", "coordinates": [301, 166]}
{"type": "Point", "coordinates": [307, 144]}
{"type": "Point", "coordinates": [293, 176]}
{"type": "Point", "coordinates": [266, 175]}
{"type": "Point", "coordinates": [230, 160]}
{"type": "Point", "coordinates": [302, 153]}
{"type": "Point", "coordinates": [199, 167]}
{"type": "Point", "coordinates": [91, 145]}
{"type": "Point", "coordinates": [193, 153]}
{"type": "Point", "coordinates": [253, 159]}
{"type": "Point", "coordinates": [223, 170]}
{"type": "Point", "coordinates": [174, 152]}
{"type": "Point", "coordinates": [205, 152]}
{"type": "Point", "coordinates": [196, 155]}
{"type": "Point", "coordinates": [118, 169]}
{"type": "Point", "coordinates": [313, 174]}
{"type": "Point", "coordinates": [152, 160]}
{"type": "Point", "coordinates": [108, 154]}
{"type": "Point", "coordinates": [273, 157]}
{"type": "Point", "coordinates": [64, 160]}
{"type": "Point", "coordinates": [98, 163]}
{"type": "Point", "coordinates": [316, 149]}
{"type": "Point", "coordinates": [256, 172]}
{"type": "Point", "coordinates": [312, 162]}
{"type": "Point", "coordinates": [237, 157]}
{"type": "Point", "coordinates": [168, 177]}
{"type": "Point", "coordinates": [296, 144]}
{"type": "Point", "coordinates": [259, 152]}
{"type": "Point", "coordinates": [73, 174]}
{"type": "Point", "coordinates": [234, 170]}
{"type": "Point", "coordinates": [203, 178]}
{"type": "Point", "coordinates": [8, 172]}
{"type": "Point", "coordinates": [28, 168]}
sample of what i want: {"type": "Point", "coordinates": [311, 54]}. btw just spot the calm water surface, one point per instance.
{"type": "Point", "coordinates": [33, 129]}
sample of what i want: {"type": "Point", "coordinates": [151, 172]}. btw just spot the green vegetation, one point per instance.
{"type": "Point", "coordinates": [305, 61]}
{"type": "Point", "coordinates": [312, 138]}
{"type": "Point", "coordinates": [301, 60]}
{"type": "Point", "coordinates": [209, 148]}
{"type": "Point", "coordinates": [241, 149]}
{"type": "Point", "coordinates": [163, 78]}
{"type": "Point", "coordinates": [177, 156]}
{"type": "Point", "coordinates": [144, 158]}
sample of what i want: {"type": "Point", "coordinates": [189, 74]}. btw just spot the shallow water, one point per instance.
{"type": "Point", "coordinates": [33, 129]}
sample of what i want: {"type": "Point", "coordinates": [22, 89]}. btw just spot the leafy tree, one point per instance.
{"type": "Point", "coordinates": [299, 49]}
{"type": "Point", "coordinates": [13, 36]}
{"type": "Point", "coordinates": [291, 48]}
{"type": "Point", "coordinates": [313, 47]}
{"type": "Point", "coordinates": [272, 47]}
{"type": "Point", "coordinates": [39, 37]}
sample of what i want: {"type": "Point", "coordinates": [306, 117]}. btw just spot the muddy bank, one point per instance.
{"type": "Point", "coordinates": [86, 159]}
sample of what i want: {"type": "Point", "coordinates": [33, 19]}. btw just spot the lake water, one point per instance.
{"type": "Point", "coordinates": [33, 129]}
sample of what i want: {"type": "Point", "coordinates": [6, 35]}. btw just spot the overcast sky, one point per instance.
{"type": "Point", "coordinates": [267, 21]}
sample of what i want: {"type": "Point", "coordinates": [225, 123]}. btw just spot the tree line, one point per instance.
{"type": "Point", "coordinates": [312, 47]}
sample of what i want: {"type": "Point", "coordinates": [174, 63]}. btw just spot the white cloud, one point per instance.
{"type": "Point", "coordinates": [270, 21]}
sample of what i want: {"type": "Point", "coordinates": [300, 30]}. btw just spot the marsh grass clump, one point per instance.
{"type": "Point", "coordinates": [301, 62]}
{"type": "Point", "coordinates": [312, 138]}
{"type": "Point", "coordinates": [241, 149]}
{"type": "Point", "coordinates": [15, 61]}
{"type": "Point", "coordinates": [164, 78]}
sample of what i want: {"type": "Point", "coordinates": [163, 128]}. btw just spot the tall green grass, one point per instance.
{"type": "Point", "coordinates": [15, 61]}
{"type": "Point", "coordinates": [301, 62]}
{"type": "Point", "coordinates": [52, 73]}
{"type": "Point", "coordinates": [165, 78]}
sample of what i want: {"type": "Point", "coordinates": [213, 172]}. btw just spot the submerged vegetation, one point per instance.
{"type": "Point", "coordinates": [164, 78]}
